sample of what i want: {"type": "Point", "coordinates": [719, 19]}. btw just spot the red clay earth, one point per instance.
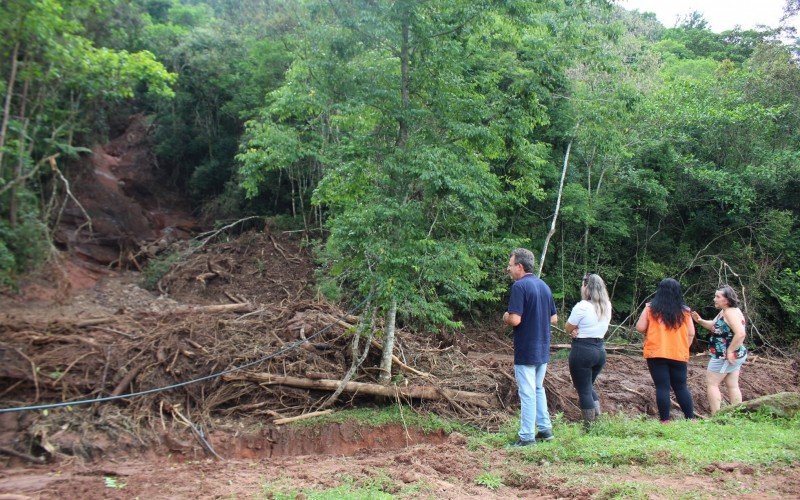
{"type": "Point", "coordinates": [444, 470]}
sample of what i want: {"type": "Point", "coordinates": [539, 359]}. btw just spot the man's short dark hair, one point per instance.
{"type": "Point", "coordinates": [524, 257]}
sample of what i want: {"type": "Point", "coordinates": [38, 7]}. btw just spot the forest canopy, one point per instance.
{"type": "Point", "coordinates": [418, 143]}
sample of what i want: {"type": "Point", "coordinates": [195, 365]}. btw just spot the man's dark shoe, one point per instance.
{"type": "Point", "coordinates": [523, 442]}
{"type": "Point", "coordinates": [545, 435]}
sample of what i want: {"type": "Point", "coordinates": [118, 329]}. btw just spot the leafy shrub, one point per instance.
{"type": "Point", "coordinates": [22, 248]}
{"type": "Point", "coordinates": [156, 268]}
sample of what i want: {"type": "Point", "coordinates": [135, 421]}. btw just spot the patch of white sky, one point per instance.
{"type": "Point", "coordinates": [721, 15]}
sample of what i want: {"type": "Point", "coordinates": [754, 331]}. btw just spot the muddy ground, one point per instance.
{"type": "Point", "coordinates": [108, 336]}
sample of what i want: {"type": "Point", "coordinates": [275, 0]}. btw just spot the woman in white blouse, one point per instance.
{"type": "Point", "coordinates": [587, 324]}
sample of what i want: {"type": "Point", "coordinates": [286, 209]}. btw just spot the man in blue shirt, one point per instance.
{"type": "Point", "coordinates": [531, 311]}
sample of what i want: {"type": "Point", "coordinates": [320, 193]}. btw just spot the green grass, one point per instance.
{"type": "Point", "coordinates": [378, 487]}
{"type": "Point", "coordinates": [390, 415]}
{"type": "Point", "coordinates": [618, 441]}
{"type": "Point", "coordinates": [755, 439]}
{"type": "Point", "coordinates": [614, 459]}
{"type": "Point", "coordinates": [489, 480]}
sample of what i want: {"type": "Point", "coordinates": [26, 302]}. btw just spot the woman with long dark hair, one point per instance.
{"type": "Point", "coordinates": [667, 324]}
{"type": "Point", "coordinates": [587, 324]}
{"type": "Point", "coordinates": [725, 347]}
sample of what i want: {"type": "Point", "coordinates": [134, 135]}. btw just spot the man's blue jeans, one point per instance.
{"type": "Point", "coordinates": [530, 380]}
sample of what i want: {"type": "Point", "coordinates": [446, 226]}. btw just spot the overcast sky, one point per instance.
{"type": "Point", "coordinates": [721, 14]}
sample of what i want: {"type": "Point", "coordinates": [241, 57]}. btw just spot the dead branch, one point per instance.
{"type": "Point", "coordinates": [203, 278]}
{"type": "Point", "coordinates": [71, 196]}
{"type": "Point", "coordinates": [282, 252]}
{"type": "Point", "coordinates": [33, 371]}
{"type": "Point", "coordinates": [126, 380]}
{"type": "Point", "coordinates": [94, 321]}
{"type": "Point", "coordinates": [358, 360]}
{"type": "Point", "coordinates": [198, 433]}
{"type": "Point", "coordinates": [24, 456]}
{"type": "Point", "coordinates": [211, 234]}
{"type": "Point", "coordinates": [21, 179]}
{"type": "Point", "coordinates": [214, 309]}
{"type": "Point", "coordinates": [399, 363]}
{"type": "Point", "coordinates": [417, 392]}
{"type": "Point", "coordinates": [281, 421]}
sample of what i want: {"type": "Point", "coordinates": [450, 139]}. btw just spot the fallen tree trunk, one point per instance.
{"type": "Point", "coordinates": [418, 392]}
{"type": "Point", "coordinates": [221, 308]}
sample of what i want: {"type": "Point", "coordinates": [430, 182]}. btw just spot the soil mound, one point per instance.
{"type": "Point", "coordinates": [258, 267]}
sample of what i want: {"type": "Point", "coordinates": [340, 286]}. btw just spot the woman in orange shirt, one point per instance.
{"type": "Point", "coordinates": [669, 330]}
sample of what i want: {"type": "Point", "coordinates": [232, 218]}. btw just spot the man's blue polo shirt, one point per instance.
{"type": "Point", "coordinates": [532, 299]}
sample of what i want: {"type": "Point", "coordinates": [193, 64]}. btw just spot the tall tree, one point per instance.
{"type": "Point", "coordinates": [417, 120]}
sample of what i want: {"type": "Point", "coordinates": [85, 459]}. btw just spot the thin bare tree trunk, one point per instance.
{"type": "Point", "coordinates": [558, 207]}
{"type": "Point", "coordinates": [12, 202]}
{"type": "Point", "coordinates": [589, 191]}
{"type": "Point", "coordinates": [7, 105]}
{"type": "Point", "coordinates": [404, 84]}
{"type": "Point", "coordinates": [385, 375]}
{"type": "Point", "coordinates": [358, 359]}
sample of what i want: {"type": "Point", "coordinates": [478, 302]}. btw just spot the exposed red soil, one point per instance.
{"type": "Point", "coordinates": [445, 470]}
{"type": "Point", "coordinates": [130, 208]}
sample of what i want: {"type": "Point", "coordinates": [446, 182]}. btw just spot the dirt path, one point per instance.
{"type": "Point", "coordinates": [446, 470]}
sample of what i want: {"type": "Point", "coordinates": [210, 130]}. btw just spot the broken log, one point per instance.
{"type": "Point", "coordinates": [24, 456]}
{"type": "Point", "coordinates": [392, 391]}
{"type": "Point", "coordinates": [280, 421]}
{"type": "Point", "coordinates": [220, 308]}
{"type": "Point", "coordinates": [126, 380]}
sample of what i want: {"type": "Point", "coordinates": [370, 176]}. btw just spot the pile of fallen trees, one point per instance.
{"type": "Point", "coordinates": [120, 354]}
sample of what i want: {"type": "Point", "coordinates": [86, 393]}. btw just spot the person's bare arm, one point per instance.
{"type": "Point", "coordinates": [571, 329]}
{"type": "Point", "coordinates": [643, 322]}
{"type": "Point", "coordinates": [512, 319]}
{"type": "Point", "coordinates": [554, 319]}
{"type": "Point", "coordinates": [705, 323]}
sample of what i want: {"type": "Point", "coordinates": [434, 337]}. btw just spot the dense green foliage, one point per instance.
{"type": "Point", "coordinates": [58, 83]}
{"type": "Point", "coordinates": [419, 142]}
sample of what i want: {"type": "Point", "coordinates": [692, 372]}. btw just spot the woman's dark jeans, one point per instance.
{"type": "Point", "coordinates": [666, 373]}
{"type": "Point", "coordinates": [586, 359]}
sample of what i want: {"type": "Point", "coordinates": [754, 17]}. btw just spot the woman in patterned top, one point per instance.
{"type": "Point", "coordinates": [725, 346]}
